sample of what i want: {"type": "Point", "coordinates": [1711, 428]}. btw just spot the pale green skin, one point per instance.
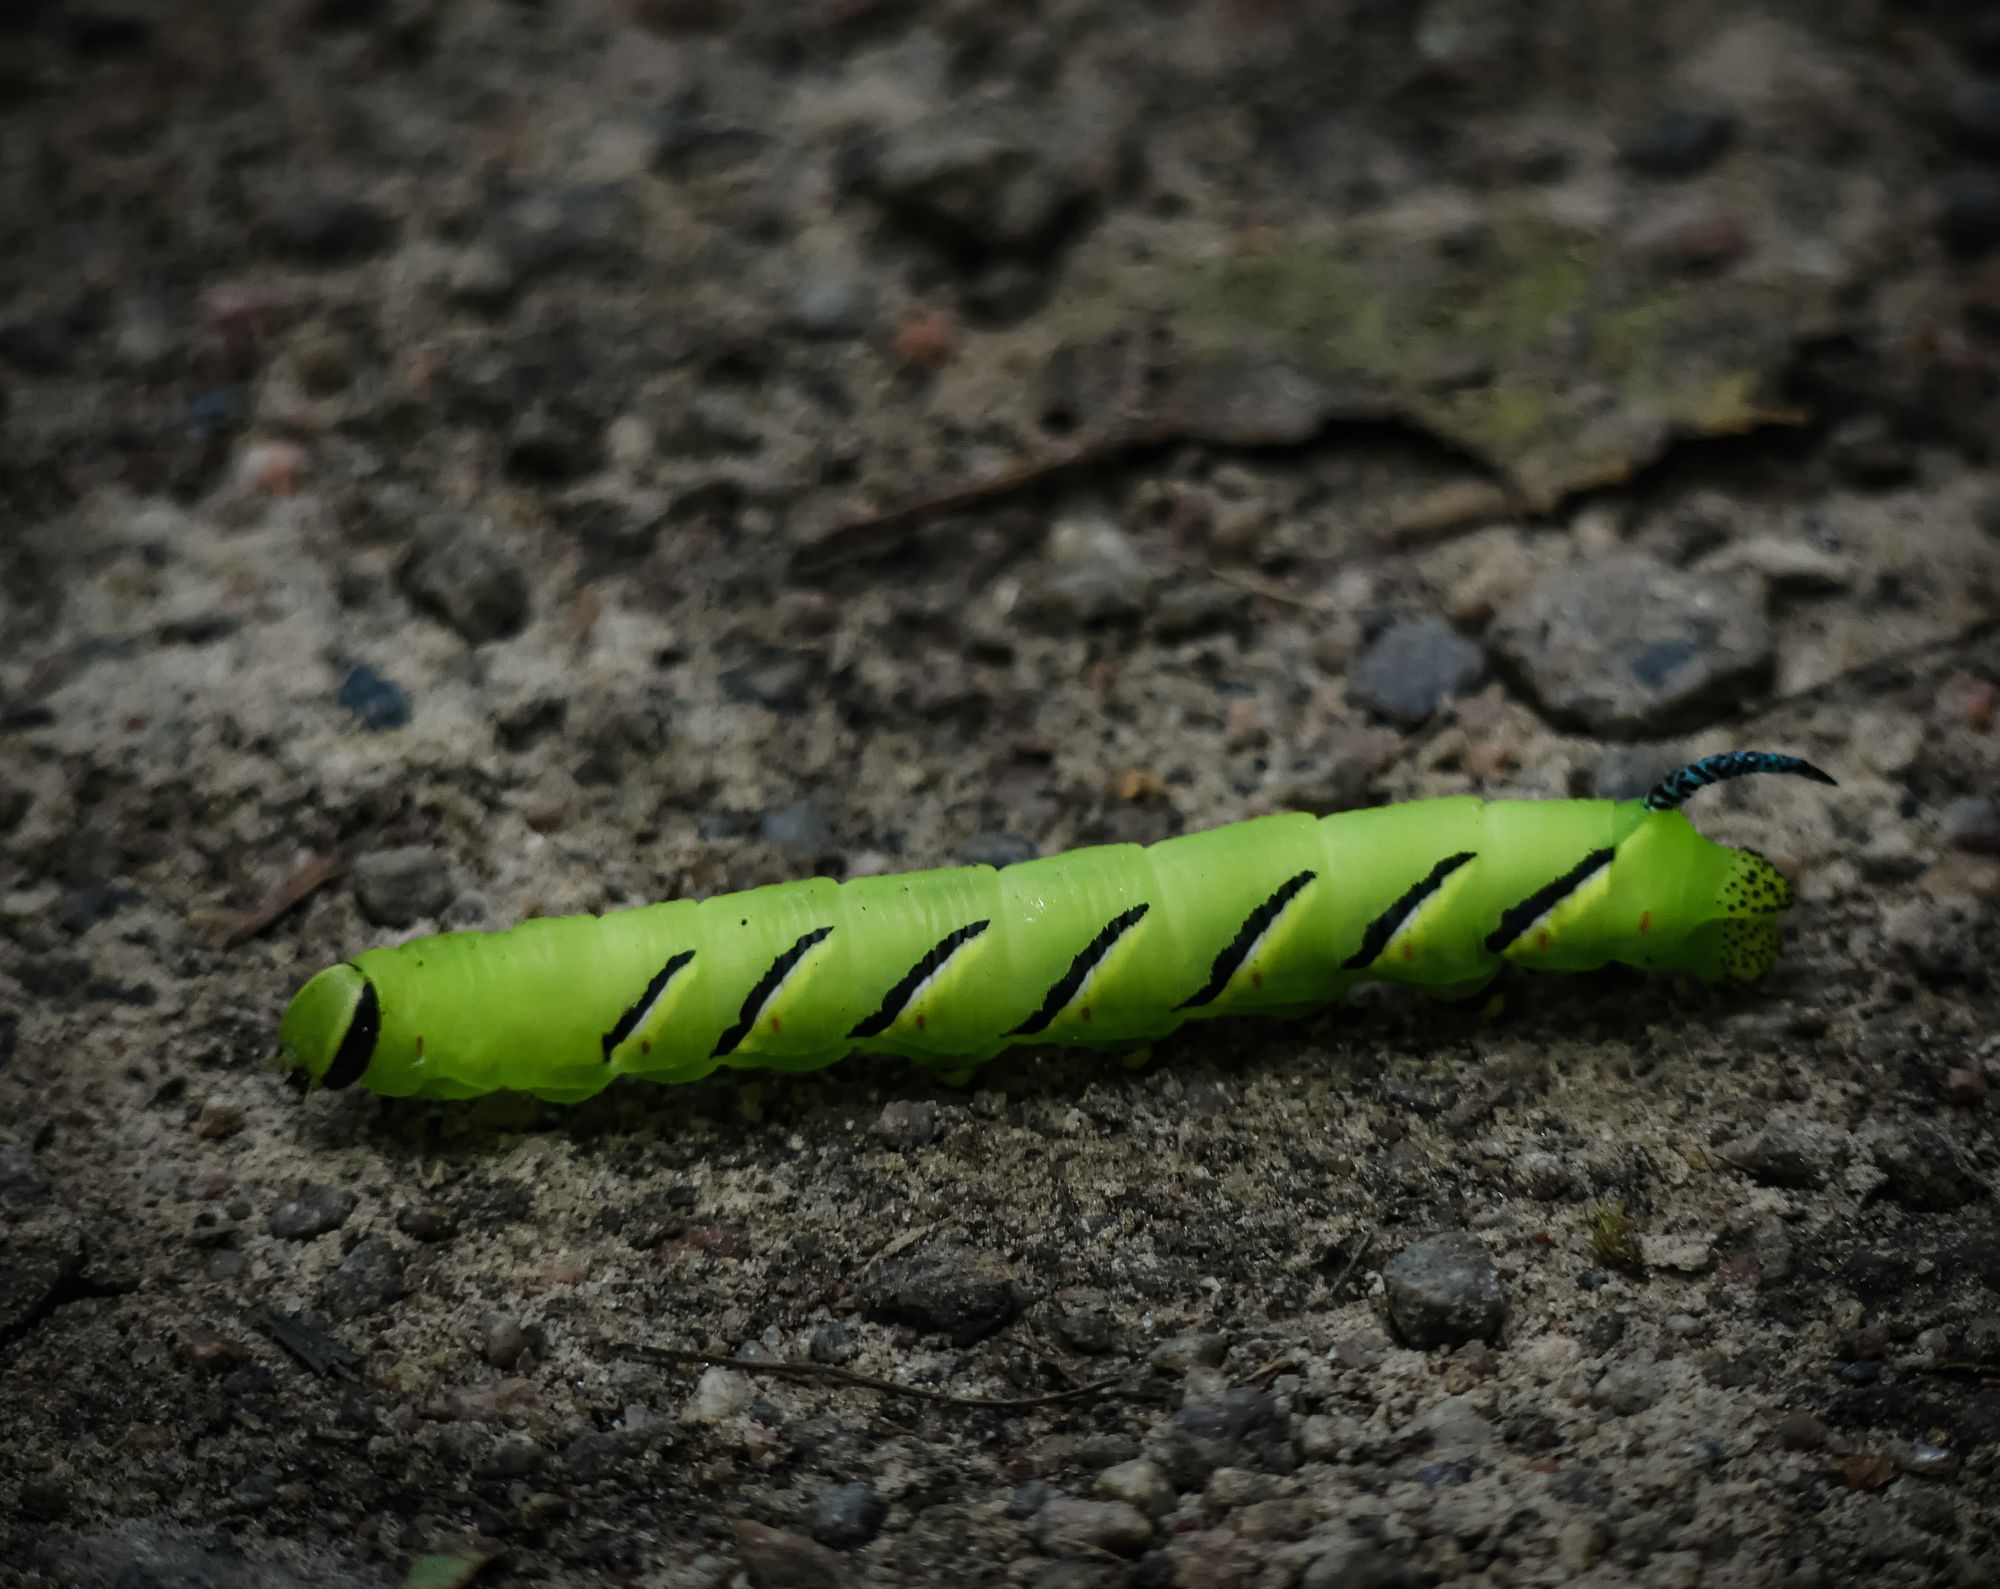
{"type": "Point", "coordinates": [468, 1013]}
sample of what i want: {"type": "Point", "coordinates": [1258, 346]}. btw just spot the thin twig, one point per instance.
{"type": "Point", "coordinates": [315, 874]}
{"type": "Point", "coordinates": [1915, 652]}
{"type": "Point", "coordinates": [1346, 1269]}
{"type": "Point", "coordinates": [851, 537]}
{"type": "Point", "coordinates": [828, 1374]}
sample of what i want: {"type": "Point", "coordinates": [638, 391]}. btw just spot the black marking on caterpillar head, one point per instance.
{"type": "Point", "coordinates": [628, 1023]}
{"type": "Point", "coordinates": [1517, 919]}
{"type": "Point", "coordinates": [761, 995]}
{"type": "Point", "coordinates": [1067, 986]}
{"type": "Point", "coordinates": [1255, 925]}
{"type": "Point", "coordinates": [929, 965]}
{"type": "Point", "coordinates": [1676, 787]}
{"type": "Point", "coordinates": [357, 1043]}
{"type": "Point", "coordinates": [1385, 926]}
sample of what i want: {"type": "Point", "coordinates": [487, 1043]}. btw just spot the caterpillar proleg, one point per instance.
{"type": "Point", "coordinates": [1118, 944]}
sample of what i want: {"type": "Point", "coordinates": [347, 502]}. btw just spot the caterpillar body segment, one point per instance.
{"type": "Point", "coordinates": [1118, 945]}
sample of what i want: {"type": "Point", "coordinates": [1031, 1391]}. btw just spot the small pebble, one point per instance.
{"type": "Point", "coordinates": [1444, 1291]}
{"type": "Point", "coordinates": [212, 1351]}
{"type": "Point", "coordinates": [1627, 647]}
{"type": "Point", "coordinates": [400, 886]}
{"type": "Point", "coordinates": [798, 829]}
{"type": "Point", "coordinates": [1920, 1167]}
{"type": "Point", "coordinates": [366, 1281]}
{"type": "Point", "coordinates": [462, 574]}
{"type": "Point", "coordinates": [847, 1515]}
{"type": "Point", "coordinates": [831, 306]}
{"type": "Point", "coordinates": [501, 1339]}
{"type": "Point", "coordinates": [219, 1119]}
{"type": "Point", "coordinates": [719, 1394]}
{"type": "Point", "coordinates": [277, 468]}
{"type": "Point", "coordinates": [831, 1343]}
{"type": "Point", "coordinates": [1069, 1527]}
{"type": "Point", "coordinates": [314, 1211]}
{"type": "Point", "coordinates": [1138, 1483]}
{"type": "Point", "coordinates": [775, 1558]}
{"type": "Point", "coordinates": [1414, 668]}
{"type": "Point", "coordinates": [1972, 824]}
{"type": "Point", "coordinates": [218, 409]}
{"type": "Point", "coordinates": [377, 702]}
{"type": "Point", "coordinates": [907, 1122]}
{"type": "Point", "coordinates": [964, 1293]}
{"type": "Point", "coordinates": [424, 1223]}
{"type": "Point", "coordinates": [1681, 143]}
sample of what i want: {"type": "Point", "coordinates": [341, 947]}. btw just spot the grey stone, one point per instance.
{"type": "Point", "coordinates": [1972, 823]}
{"type": "Point", "coordinates": [1352, 1562]}
{"type": "Point", "coordinates": [960, 1292]}
{"type": "Point", "coordinates": [551, 442]}
{"type": "Point", "coordinates": [1788, 1152]}
{"type": "Point", "coordinates": [995, 180]}
{"type": "Point", "coordinates": [1444, 1291]}
{"type": "Point", "coordinates": [1094, 571]}
{"type": "Point", "coordinates": [1069, 1527]}
{"type": "Point", "coordinates": [847, 1515]}
{"type": "Point", "coordinates": [38, 1264]}
{"type": "Point", "coordinates": [313, 1211]}
{"type": "Point", "coordinates": [799, 829]}
{"type": "Point", "coordinates": [782, 680]}
{"type": "Point", "coordinates": [831, 305]}
{"type": "Point", "coordinates": [1242, 1428]}
{"type": "Point", "coordinates": [1413, 668]}
{"type": "Point", "coordinates": [328, 229]}
{"type": "Point", "coordinates": [831, 1342]}
{"type": "Point", "coordinates": [907, 1122]}
{"type": "Point", "coordinates": [20, 1180]}
{"type": "Point", "coordinates": [396, 887]}
{"type": "Point", "coordinates": [1084, 1319]}
{"type": "Point", "coordinates": [1920, 1167]}
{"type": "Point", "coordinates": [1626, 647]}
{"type": "Point", "coordinates": [366, 1281]}
{"type": "Point", "coordinates": [461, 574]}
{"type": "Point", "coordinates": [501, 1339]}
{"type": "Point", "coordinates": [775, 1558]}
{"type": "Point", "coordinates": [1138, 1483]}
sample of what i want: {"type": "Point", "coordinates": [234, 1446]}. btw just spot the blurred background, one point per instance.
{"type": "Point", "coordinates": [467, 459]}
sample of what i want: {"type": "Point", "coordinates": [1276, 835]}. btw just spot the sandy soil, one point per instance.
{"type": "Point", "coordinates": [523, 458]}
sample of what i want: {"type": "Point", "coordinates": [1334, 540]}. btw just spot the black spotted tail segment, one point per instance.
{"type": "Point", "coordinates": [1676, 787]}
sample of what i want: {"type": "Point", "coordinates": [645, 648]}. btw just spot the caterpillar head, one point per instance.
{"type": "Point", "coordinates": [330, 1028]}
{"type": "Point", "coordinates": [1725, 902]}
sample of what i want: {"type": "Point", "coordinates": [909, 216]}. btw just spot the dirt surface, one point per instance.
{"type": "Point", "coordinates": [463, 460]}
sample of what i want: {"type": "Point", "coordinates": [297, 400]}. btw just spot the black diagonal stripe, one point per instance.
{"type": "Point", "coordinates": [1518, 918]}
{"type": "Point", "coordinates": [1390, 922]}
{"type": "Point", "coordinates": [1255, 925]}
{"type": "Point", "coordinates": [760, 995]}
{"type": "Point", "coordinates": [932, 962]}
{"type": "Point", "coordinates": [357, 1043]}
{"type": "Point", "coordinates": [628, 1023]}
{"type": "Point", "coordinates": [1068, 984]}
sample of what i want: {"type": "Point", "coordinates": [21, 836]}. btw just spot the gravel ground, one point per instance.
{"type": "Point", "coordinates": [462, 460]}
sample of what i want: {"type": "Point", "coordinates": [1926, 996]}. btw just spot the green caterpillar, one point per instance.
{"type": "Point", "coordinates": [1113, 945]}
